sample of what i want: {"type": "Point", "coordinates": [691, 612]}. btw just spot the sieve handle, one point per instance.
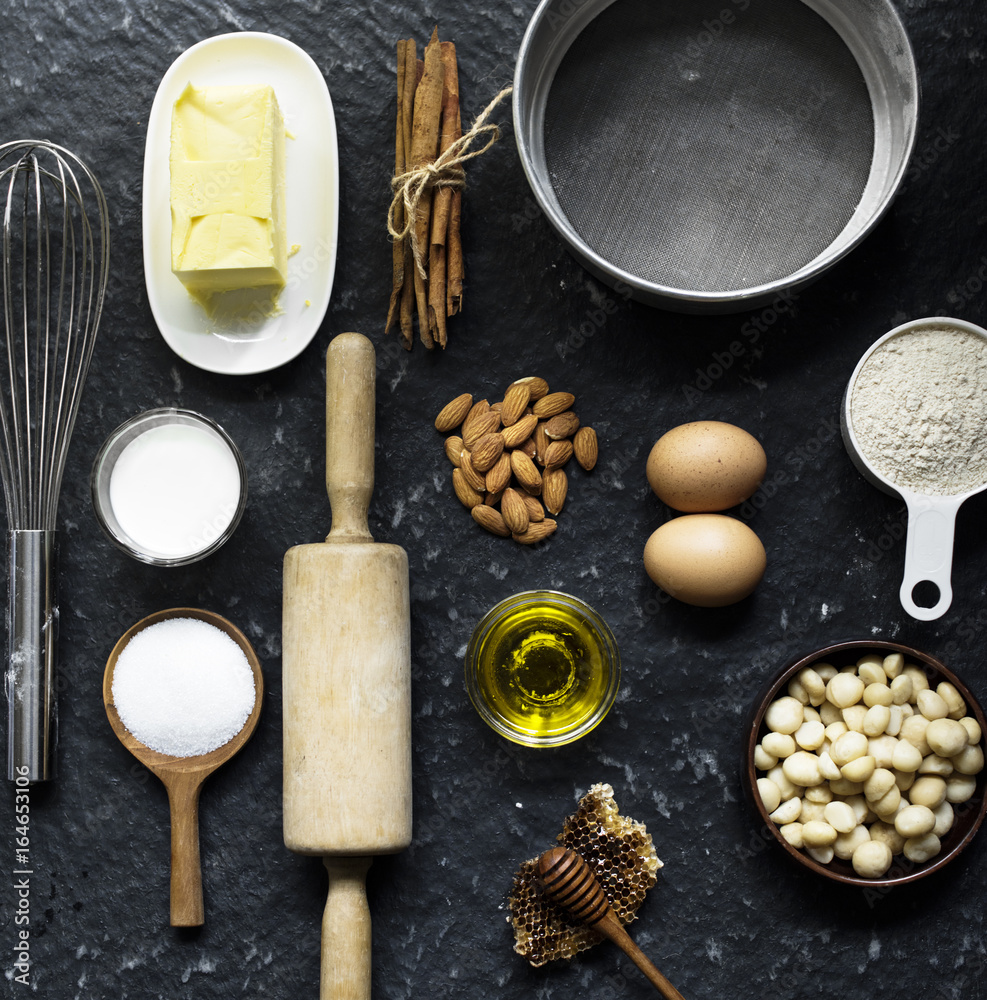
{"type": "Point", "coordinates": [929, 552]}
{"type": "Point", "coordinates": [32, 626]}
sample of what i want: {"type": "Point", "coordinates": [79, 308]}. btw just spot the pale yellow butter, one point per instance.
{"type": "Point", "coordinates": [227, 191]}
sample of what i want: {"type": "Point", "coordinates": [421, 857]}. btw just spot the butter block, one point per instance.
{"type": "Point", "coordinates": [228, 191]}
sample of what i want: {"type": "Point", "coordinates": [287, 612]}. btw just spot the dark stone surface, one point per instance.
{"type": "Point", "coordinates": [730, 917]}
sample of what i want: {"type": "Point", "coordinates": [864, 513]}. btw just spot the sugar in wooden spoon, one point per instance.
{"type": "Point", "coordinates": [567, 881]}
{"type": "Point", "coordinates": [190, 726]}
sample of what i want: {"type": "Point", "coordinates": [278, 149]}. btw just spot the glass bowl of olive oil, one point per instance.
{"type": "Point", "coordinates": [542, 668]}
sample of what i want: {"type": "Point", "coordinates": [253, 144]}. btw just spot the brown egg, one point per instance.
{"type": "Point", "coordinates": [709, 560]}
{"type": "Point", "coordinates": [706, 465]}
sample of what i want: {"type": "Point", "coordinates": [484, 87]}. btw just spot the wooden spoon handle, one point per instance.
{"type": "Point", "coordinates": [610, 927]}
{"type": "Point", "coordinates": [350, 383]}
{"type": "Point", "coordinates": [346, 931]}
{"type": "Point", "coordinates": [186, 870]}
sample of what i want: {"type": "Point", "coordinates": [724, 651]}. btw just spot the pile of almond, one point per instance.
{"type": "Point", "coordinates": [509, 457]}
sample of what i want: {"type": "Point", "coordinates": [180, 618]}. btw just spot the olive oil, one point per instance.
{"type": "Point", "coordinates": [545, 667]}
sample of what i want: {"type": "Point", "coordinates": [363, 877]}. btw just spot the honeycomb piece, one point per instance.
{"type": "Point", "coordinates": [618, 851]}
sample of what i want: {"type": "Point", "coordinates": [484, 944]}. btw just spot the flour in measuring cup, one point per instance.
{"type": "Point", "coordinates": [918, 409]}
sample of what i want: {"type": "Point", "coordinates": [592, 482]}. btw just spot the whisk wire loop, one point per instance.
{"type": "Point", "coordinates": [52, 306]}
{"type": "Point", "coordinates": [55, 269]}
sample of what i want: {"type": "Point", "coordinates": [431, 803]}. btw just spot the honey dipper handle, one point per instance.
{"type": "Point", "coordinates": [350, 382]}
{"type": "Point", "coordinates": [611, 928]}
{"type": "Point", "coordinates": [346, 931]}
{"type": "Point", "coordinates": [186, 869]}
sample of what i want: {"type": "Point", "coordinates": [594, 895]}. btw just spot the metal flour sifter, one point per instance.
{"type": "Point", "coordinates": [711, 155]}
{"type": "Point", "coordinates": [55, 257]}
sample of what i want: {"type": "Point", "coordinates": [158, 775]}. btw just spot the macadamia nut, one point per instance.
{"type": "Point", "coordinates": [846, 843]}
{"type": "Point", "coordinates": [972, 727]}
{"type": "Point", "coordinates": [810, 735]}
{"type": "Point", "coordinates": [814, 685]}
{"type": "Point", "coordinates": [788, 812]}
{"type": "Point", "coordinates": [779, 744]}
{"type": "Point", "coordinates": [872, 859]}
{"type": "Point", "coordinates": [878, 694]}
{"type": "Point", "coordinates": [921, 849]}
{"type": "Point", "coordinates": [932, 705]}
{"type": "Point", "coordinates": [887, 834]}
{"type": "Point", "coordinates": [860, 769]}
{"type": "Point", "coordinates": [819, 834]}
{"type": "Point", "coordinates": [792, 832]}
{"type": "Point", "coordinates": [960, 788]}
{"type": "Point", "coordinates": [906, 757]}
{"type": "Point", "coordinates": [878, 784]}
{"type": "Point", "coordinates": [915, 821]}
{"type": "Point", "coordinates": [946, 737]}
{"type": "Point", "coordinates": [929, 790]}
{"type": "Point", "coordinates": [840, 817]}
{"type": "Point", "coordinates": [785, 715]}
{"type": "Point", "coordinates": [953, 699]}
{"type": "Point", "coordinates": [894, 663]}
{"type": "Point", "coordinates": [969, 761]}
{"type": "Point", "coordinates": [945, 818]}
{"type": "Point", "coordinates": [867, 761]}
{"type": "Point", "coordinates": [787, 788]}
{"type": "Point", "coordinates": [845, 690]}
{"type": "Point", "coordinates": [876, 720]}
{"type": "Point", "coordinates": [770, 794]}
{"type": "Point", "coordinates": [802, 768]}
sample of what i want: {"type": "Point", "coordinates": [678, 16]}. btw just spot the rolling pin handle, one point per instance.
{"type": "Point", "coordinates": [346, 931]}
{"type": "Point", "coordinates": [351, 371]}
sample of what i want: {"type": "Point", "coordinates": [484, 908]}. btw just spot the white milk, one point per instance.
{"type": "Point", "coordinates": [175, 489]}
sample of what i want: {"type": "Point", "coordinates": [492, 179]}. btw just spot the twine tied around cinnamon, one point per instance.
{"type": "Point", "coordinates": [446, 171]}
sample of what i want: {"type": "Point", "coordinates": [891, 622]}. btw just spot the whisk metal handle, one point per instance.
{"type": "Point", "coordinates": [32, 627]}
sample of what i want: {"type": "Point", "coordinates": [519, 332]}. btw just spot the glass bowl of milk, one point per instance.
{"type": "Point", "coordinates": [169, 486]}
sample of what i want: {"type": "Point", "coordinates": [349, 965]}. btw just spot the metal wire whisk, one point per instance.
{"type": "Point", "coordinates": [55, 257]}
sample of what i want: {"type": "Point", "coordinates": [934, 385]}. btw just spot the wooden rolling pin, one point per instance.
{"type": "Point", "coordinates": [347, 682]}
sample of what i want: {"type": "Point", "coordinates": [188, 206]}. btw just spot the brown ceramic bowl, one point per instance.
{"type": "Point", "coordinates": [969, 815]}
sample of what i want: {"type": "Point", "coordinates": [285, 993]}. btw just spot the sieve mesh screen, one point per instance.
{"type": "Point", "coordinates": [708, 152]}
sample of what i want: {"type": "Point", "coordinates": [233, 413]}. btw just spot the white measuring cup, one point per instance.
{"type": "Point", "coordinates": [931, 518]}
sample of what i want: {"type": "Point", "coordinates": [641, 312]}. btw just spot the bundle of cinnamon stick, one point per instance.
{"type": "Point", "coordinates": [428, 261]}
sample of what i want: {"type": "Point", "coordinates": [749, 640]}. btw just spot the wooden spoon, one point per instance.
{"type": "Point", "coordinates": [567, 881]}
{"type": "Point", "coordinates": [183, 776]}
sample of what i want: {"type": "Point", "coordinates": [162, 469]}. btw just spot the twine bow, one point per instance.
{"type": "Point", "coordinates": [446, 171]}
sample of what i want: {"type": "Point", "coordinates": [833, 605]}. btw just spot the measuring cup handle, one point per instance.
{"type": "Point", "coordinates": [929, 553]}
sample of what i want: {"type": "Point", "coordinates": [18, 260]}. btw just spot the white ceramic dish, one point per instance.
{"type": "Point", "coordinates": [312, 185]}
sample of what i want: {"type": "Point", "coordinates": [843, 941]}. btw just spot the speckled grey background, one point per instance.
{"type": "Point", "coordinates": [730, 916]}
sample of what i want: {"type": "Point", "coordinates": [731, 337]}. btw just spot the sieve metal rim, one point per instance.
{"type": "Point", "coordinates": [564, 20]}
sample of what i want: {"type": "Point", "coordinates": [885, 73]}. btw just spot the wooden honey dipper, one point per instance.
{"type": "Point", "coordinates": [567, 881]}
